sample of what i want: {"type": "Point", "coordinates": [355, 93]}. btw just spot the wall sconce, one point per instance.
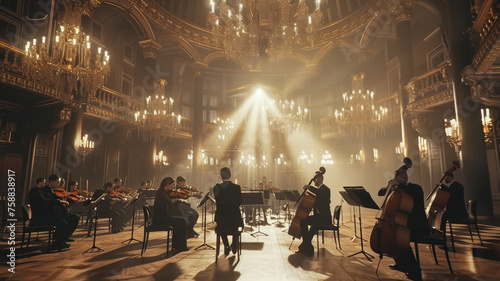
{"type": "Point", "coordinates": [401, 150]}
{"type": "Point", "coordinates": [487, 125]}
{"type": "Point", "coordinates": [85, 147]}
{"type": "Point", "coordinates": [161, 159]}
{"type": "Point", "coordinates": [356, 159]}
{"type": "Point", "coordinates": [452, 134]}
{"type": "Point", "coordinates": [326, 158]}
{"type": "Point", "coordinates": [280, 160]}
{"type": "Point", "coordinates": [422, 147]}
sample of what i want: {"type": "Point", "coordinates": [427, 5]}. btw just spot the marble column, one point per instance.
{"type": "Point", "coordinates": [198, 127]}
{"type": "Point", "coordinates": [457, 21]}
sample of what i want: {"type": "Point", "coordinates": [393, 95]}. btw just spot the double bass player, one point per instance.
{"type": "Point", "coordinates": [417, 223]}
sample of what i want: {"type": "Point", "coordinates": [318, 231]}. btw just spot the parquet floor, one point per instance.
{"type": "Point", "coordinates": [263, 258]}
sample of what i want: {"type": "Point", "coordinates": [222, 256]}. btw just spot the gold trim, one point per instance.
{"type": "Point", "coordinates": [425, 104]}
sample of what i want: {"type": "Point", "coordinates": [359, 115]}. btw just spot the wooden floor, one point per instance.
{"type": "Point", "coordinates": [263, 258]}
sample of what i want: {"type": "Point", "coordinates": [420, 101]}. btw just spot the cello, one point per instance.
{"type": "Point", "coordinates": [439, 197]}
{"type": "Point", "coordinates": [390, 235]}
{"type": "Point", "coordinates": [304, 208]}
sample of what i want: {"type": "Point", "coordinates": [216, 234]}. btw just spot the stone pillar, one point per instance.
{"type": "Point", "coordinates": [405, 55]}
{"type": "Point", "coordinates": [457, 21]}
{"type": "Point", "coordinates": [198, 126]}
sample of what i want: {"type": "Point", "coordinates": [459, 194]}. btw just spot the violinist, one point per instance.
{"type": "Point", "coordinates": [321, 215]}
{"type": "Point", "coordinates": [455, 208]}
{"type": "Point", "coordinates": [183, 208]}
{"type": "Point", "coordinates": [47, 209]}
{"type": "Point", "coordinates": [417, 224]}
{"type": "Point", "coordinates": [119, 193]}
{"type": "Point", "coordinates": [74, 199]}
{"type": "Point", "coordinates": [106, 210]}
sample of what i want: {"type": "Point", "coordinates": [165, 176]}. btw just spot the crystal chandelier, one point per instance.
{"type": "Point", "coordinates": [359, 116]}
{"type": "Point", "coordinates": [285, 118]}
{"type": "Point", "coordinates": [158, 114]}
{"type": "Point", "coordinates": [68, 64]}
{"type": "Point", "coordinates": [268, 29]}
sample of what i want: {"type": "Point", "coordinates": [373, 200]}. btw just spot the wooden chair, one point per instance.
{"type": "Point", "coordinates": [217, 244]}
{"type": "Point", "coordinates": [335, 227]}
{"type": "Point", "coordinates": [437, 237]}
{"type": "Point", "coordinates": [149, 227]}
{"type": "Point", "coordinates": [26, 211]}
{"type": "Point", "coordinates": [470, 220]}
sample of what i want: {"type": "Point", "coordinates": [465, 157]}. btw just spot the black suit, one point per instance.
{"type": "Point", "coordinates": [455, 208]}
{"type": "Point", "coordinates": [321, 215]}
{"type": "Point", "coordinates": [228, 215]}
{"type": "Point", "coordinates": [162, 216]}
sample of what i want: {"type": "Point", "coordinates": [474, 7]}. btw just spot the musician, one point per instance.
{"type": "Point", "coordinates": [455, 208]}
{"type": "Point", "coordinates": [48, 210]}
{"type": "Point", "coordinates": [417, 224]}
{"type": "Point", "coordinates": [106, 210]}
{"type": "Point", "coordinates": [120, 204]}
{"type": "Point", "coordinates": [227, 214]}
{"type": "Point", "coordinates": [321, 215]}
{"type": "Point", "coordinates": [78, 205]}
{"type": "Point", "coordinates": [184, 209]}
{"type": "Point", "coordinates": [162, 215]}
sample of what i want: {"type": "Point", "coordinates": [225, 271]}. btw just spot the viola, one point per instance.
{"type": "Point", "coordinates": [390, 235]}
{"type": "Point", "coordinates": [307, 199]}
{"type": "Point", "coordinates": [439, 197]}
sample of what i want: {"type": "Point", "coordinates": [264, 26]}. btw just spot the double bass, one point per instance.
{"type": "Point", "coordinates": [390, 235]}
{"type": "Point", "coordinates": [439, 197]}
{"type": "Point", "coordinates": [304, 208]}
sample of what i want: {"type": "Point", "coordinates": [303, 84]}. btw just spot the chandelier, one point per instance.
{"type": "Point", "coordinates": [69, 64]}
{"type": "Point", "coordinates": [359, 116]}
{"type": "Point", "coordinates": [225, 128]}
{"type": "Point", "coordinates": [158, 114]}
{"type": "Point", "coordinates": [268, 29]}
{"type": "Point", "coordinates": [285, 118]}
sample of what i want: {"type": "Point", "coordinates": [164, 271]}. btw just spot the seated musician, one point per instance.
{"type": "Point", "coordinates": [75, 200]}
{"type": "Point", "coordinates": [321, 215]}
{"type": "Point", "coordinates": [48, 210]}
{"type": "Point", "coordinates": [455, 208]}
{"type": "Point", "coordinates": [120, 204]}
{"type": "Point", "coordinates": [162, 214]}
{"type": "Point", "coordinates": [106, 210]}
{"type": "Point", "coordinates": [228, 215]}
{"type": "Point", "coordinates": [417, 223]}
{"type": "Point", "coordinates": [183, 208]}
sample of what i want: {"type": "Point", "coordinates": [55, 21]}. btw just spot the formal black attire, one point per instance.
{"type": "Point", "coordinates": [455, 208]}
{"type": "Point", "coordinates": [48, 211]}
{"type": "Point", "coordinates": [417, 224]}
{"type": "Point", "coordinates": [72, 219]}
{"type": "Point", "coordinates": [162, 215]}
{"type": "Point", "coordinates": [182, 208]}
{"type": "Point", "coordinates": [227, 214]}
{"type": "Point", "coordinates": [321, 216]}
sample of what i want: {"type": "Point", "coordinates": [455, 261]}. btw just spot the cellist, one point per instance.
{"type": "Point", "coordinates": [321, 215]}
{"type": "Point", "coordinates": [417, 224]}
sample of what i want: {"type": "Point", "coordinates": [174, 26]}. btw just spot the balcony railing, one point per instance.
{"type": "Point", "coordinates": [430, 83]}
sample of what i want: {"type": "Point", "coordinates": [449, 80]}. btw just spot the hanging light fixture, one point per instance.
{"type": "Point", "coordinates": [285, 117]}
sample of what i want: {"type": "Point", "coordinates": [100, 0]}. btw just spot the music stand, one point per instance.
{"type": "Point", "coordinates": [94, 205]}
{"type": "Point", "coordinates": [352, 204]}
{"type": "Point", "coordinates": [361, 197]}
{"type": "Point", "coordinates": [131, 202]}
{"type": "Point", "coordinates": [253, 199]}
{"type": "Point", "coordinates": [279, 196]}
{"type": "Point", "coordinates": [204, 219]}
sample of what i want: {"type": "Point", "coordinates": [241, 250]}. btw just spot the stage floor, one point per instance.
{"type": "Point", "coordinates": [263, 257]}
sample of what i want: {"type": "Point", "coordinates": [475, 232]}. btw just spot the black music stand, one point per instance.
{"type": "Point", "coordinates": [131, 202]}
{"type": "Point", "coordinates": [252, 199]}
{"type": "Point", "coordinates": [279, 196]}
{"type": "Point", "coordinates": [204, 219]}
{"type": "Point", "coordinates": [94, 205]}
{"type": "Point", "coordinates": [352, 204]}
{"type": "Point", "coordinates": [361, 197]}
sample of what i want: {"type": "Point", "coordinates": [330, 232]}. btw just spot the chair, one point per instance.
{"type": "Point", "coordinates": [149, 227]}
{"type": "Point", "coordinates": [232, 233]}
{"type": "Point", "coordinates": [437, 237]}
{"type": "Point", "coordinates": [471, 219]}
{"type": "Point", "coordinates": [334, 227]}
{"type": "Point", "coordinates": [26, 210]}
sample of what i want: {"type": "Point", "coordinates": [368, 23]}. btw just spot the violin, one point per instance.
{"type": "Point", "coordinates": [390, 235]}
{"type": "Point", "coordinates": [63, 194]}
{"type": "Point", "coordinates": [117, 195]}
{"type": "Point", "coordinates": [306, 204]}
{"type": "Point", "coordinates": [184, 193]}
{"type": "Point", "coordinates": [439, 197]}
